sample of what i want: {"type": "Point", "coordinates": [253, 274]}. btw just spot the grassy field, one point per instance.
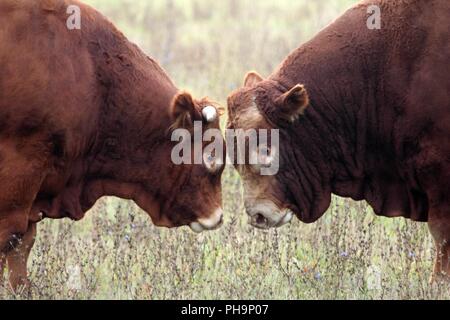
{"type": "Point", "coordinates": [116, 253]}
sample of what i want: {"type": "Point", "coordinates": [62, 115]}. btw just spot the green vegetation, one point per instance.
{"type": "Point", "coordinates": [116, 253]}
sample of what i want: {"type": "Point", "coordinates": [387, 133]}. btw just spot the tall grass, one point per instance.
{"type": "Point", "coordinates": [116, 253]}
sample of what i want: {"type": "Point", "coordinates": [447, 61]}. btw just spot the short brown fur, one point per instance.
{"type": "Point", "coordinates": [85, 114]}
{"type": "Point", "coordinates": [378, 123]}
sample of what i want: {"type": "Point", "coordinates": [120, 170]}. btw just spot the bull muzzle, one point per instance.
{"type": "Point", "coordinates": [266, 215]}
{"type": "Point", "coordinates": [213, 222]}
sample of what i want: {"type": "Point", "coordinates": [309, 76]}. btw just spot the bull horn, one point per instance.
{"type": "Point", "coordinates": [209, 114]}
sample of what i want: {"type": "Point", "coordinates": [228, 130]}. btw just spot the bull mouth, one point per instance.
{"type": "Point", "coordinates": [214, 222]}
{"type": "Point", "coordinates": [260, 221]}
{"type": "Point", "coordinates": [296, 211]}
{"type": "Point", "coordinates": [266, 215]}
{"type": "Point", "coordinates": [197, 227]}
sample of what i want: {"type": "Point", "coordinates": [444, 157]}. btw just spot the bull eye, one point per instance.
{"type": "Point", "coordinates": [263, 158]}
{"type": "Point", "coordinates": [211, 162]}
{"type": "Point", "coordinates": [265, 150]}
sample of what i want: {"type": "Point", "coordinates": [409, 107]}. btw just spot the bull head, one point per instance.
{"type": "Point", "coordinates": [195, 118]}
{"type": "Point", "coordinates": [261, 105]}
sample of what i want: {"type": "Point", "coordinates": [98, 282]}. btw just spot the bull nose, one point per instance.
{"type": "Point", "coordinates": [221, 220]}
{"type": "Point", "coordinates": [259, 221]}
{"type": "Point", "coordinates": [269, 219]}
{"type": "Point", "coordinates": [212, 222]}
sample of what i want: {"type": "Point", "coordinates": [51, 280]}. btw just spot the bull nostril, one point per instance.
{"type": "Point", "coordinates": [220, 221]}
{"type": "Point", "coordinates": [260, 219]}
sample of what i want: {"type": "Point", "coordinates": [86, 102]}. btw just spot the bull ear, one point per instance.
{"type": "Point", "coordinates": [252, 79]}
{"type": "Point", "coordinates": [293, 103]}
{"type": "Point", "coordinates": [184, 111]}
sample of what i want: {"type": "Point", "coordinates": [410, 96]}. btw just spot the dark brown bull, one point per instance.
{"type": "Point", "coordinates": [84, 114]}
{"type": "Point", "coordinates": [377, 125]}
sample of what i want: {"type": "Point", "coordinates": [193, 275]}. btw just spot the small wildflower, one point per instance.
{"type": "Point", "coordinates": [344, 254]}
{"type": "Point", "coordinates": [317, 276]}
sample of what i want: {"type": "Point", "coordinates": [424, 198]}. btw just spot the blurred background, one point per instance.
{"type": "Point", "coordinates": [116, 253]}
{"type": "Point", "coordinates": [208, 46]}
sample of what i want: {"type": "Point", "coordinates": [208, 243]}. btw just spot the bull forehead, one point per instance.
{"type": "Point", "coordinates": [245, 112]}
{"type": "Point", "coordinates": [259, 189]}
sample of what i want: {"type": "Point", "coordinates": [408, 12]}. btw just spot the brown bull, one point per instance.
{"type": "Point", "coordinates": [363, 113]}
{"type": "Point", "coordinates": [84, 113]}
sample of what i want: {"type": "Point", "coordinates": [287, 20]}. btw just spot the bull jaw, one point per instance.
{"type": "Point", "coordinates": [196, 227]}
{"type": "Point", "coordinates": [199, 228]}
{"type": "Point", "coordinates": [286, 219]}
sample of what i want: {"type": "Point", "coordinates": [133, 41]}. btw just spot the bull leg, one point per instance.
{"type": "Point", "coordinates": [14, 225]}
{"type": "Point", "coordinates": [439, 226]}
{"type": "Point", "coordinates": [442, 262]}
{"type": "Point", "coordinates": [20, 181]}
{"type": "Point", "coordinates": [18, 258]}
{"type": "Point", "coordinates": [2, 266]}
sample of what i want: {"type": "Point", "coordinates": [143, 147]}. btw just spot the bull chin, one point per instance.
{"type": "Point", "coordinates": [309, 212]}
{"type": "Point", "coordinates": [296, 210]}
